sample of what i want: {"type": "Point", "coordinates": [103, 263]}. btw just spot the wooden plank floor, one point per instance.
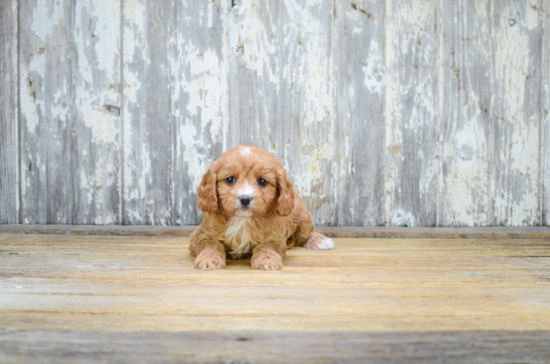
{"type": "Point", "coordinates": [138, 299]}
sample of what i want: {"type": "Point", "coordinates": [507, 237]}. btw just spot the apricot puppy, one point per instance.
{"type": "Point", "coordinates": [250, 208]}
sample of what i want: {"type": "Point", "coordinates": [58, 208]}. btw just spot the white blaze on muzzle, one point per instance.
{"type": "Point", "coordinates": [246, 191]}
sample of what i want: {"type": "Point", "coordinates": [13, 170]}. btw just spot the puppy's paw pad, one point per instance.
{"type": "Point", "coordinates": [208, 260]}
{"type": "Point", "coordinates": [319, 242]}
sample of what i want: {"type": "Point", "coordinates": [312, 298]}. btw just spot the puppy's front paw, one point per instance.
{"type": "Point", "coordinates": [267, 260]}
{"type": "Point", "coordinates": [209, 260]}
{"type": "Point", "coordinates": [318, 241]}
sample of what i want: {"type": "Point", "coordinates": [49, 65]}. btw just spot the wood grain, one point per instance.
{"type": "Point", "coordinates": [360, 72]}
{"type": "Point", "coordinates": [469, 300]}
{"type": "Point", "coordinates": [280, 95]}
{"type": "Point", "coordinates": [96, 75]}
{"type": "Point", "coordinates": [516, 166]}
{"type": "Point", "coordinates": [330, 231]}
{"type": "Point", "coordinates": [148, 27]}
{"type": "Point", "coordinates": [174, 107]}
{"type": "Point", "coordinates": [199, 97]}
{"type": "Point", "coordinates": [412, 165]}
{"type": "Point", "coordinates": [466, 127]}
{"type": "Point", "coordinates": [9, 114]}
{"type": "Point", "coordinates": [275, 347]}
{"type": "Point", "coordinates": [46, 98]}
{"type": "Point", "coordinates": [545, 119]}
{"type": "Point", "coordinates": [69, 81]}
{"type": "Point", "coordinates": [431, 113]}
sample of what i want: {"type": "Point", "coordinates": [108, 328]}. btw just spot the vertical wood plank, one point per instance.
{"type": "Point", "coordinates": [97, 101]}
{"type": "Point", "coordinates": [148, 27]}
{"type": "Point", "coordinates": [173, 107]}
{"type": "Point", "coordinates": [46, 96]}
{"type": "Point", "coordinates": [9, 125]}
{"type": "Point", "coordinates": [467, 109]}
{"type": "Point", "coordinates": [69, 123]}
{"type": "Point", "coordinates": [360, 135]}
{"type": "Point", "coordinates": [517, 45]}
{"type": "Point", "coordinates": [281, 92]}
{"type": "Point", "coordinates": [545, 116]}
{"type": "Point", "coordinates": [198, 107]}
{"type": "Point", "coordinates": [412, 167]}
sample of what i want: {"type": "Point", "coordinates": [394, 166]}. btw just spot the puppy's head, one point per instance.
{"type": "Point", "coordinates": [246, 181]}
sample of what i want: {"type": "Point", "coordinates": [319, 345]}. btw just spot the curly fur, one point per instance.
{"type": "Point", "coordinates": [276, 217]}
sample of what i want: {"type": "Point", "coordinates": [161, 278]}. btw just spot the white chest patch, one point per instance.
{"type": "Point", "coordinates": [238, 235]}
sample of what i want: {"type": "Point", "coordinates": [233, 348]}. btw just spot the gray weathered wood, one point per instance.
{"type": "Point", "coordinates": [411, 115]}
{"type": "Point", "coordinates": [199, 96]}
{"type": "Point", "coordinates": [545, 118]}
{"type": "Point", "coordinates": [260, 346]}
{"type": "Point", "coordinates": [466, 108]}
{"type": "Point", "coordinates": [46, 92]}
{"type": "Point", "coordinates": [9, 119]}
{"type": "Point", "coordinates": [69, 75]}
{"type": "Point", "coordinates": [96, 117]}
{"type": "Point", "coordinates": [111, 299]}
{"type": "Point", "coordinates": [384, 113]}
{"type": "Point", "coordinates": [516, 165]}
{"type": "Point", "coordinates": [148, 30]}
{"type": "Point", "coordinates": [359, 128]}
{"type": "Point", "coordinates": [280, 94]}
{"type": "Point", "coordinates": [173, 107]}
{"type": "Point", "coordinates": [531, 232]}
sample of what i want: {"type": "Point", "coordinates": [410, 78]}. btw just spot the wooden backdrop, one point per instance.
{"type": "Point", "coordinates": [396, 112]}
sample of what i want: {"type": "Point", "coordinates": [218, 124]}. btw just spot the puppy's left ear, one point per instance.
{"type": "Point", "coordinates": [285, 203]}
{"type": "Point", "coordinates": [208, 190]}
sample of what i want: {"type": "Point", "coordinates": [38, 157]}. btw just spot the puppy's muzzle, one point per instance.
{"type": "Point", "coordinates": [245, 200]}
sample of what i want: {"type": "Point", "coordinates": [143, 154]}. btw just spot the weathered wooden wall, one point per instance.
{"type": "Point", "coordinates": [409, 112]}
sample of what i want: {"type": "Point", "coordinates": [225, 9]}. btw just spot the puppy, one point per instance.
{"type": "Point", "coordinates": [250, 209]}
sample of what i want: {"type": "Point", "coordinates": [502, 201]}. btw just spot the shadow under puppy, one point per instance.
{"type": "Point", "coordinates": [250, 208]}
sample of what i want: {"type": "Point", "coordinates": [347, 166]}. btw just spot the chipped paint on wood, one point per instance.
{"type": "Point", "coordinates": [45, 98]}
{"type": "Point", "coordinates": [173, 108]}
{"type": "Point", "coordinates": [147, 137]}
{"type": "Point", "coordinates": [545, 118]}
{"type": "Point", "coordinates": [466, 114]}
{"type": "Point", "coordinates": [360, 70]}
{"type": "Point", "coordinates": [516, 177]}
{"type": "Point", "coordinates": [411, 113]}
{"type": "Point", "coordinates": [9, 125]}
{"type": "Point", "coordinates": [69, 73]}
{"type": "Point", "coordinates": [96, 113]}
{"type": "Point", "coordinates": [280, 91]}
{"type": "Point", "coordinates": [198, 112]}
{"type": "Point", "coordinates": [397, 113]}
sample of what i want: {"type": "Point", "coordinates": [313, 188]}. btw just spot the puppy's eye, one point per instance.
{"type": "Point", "coordinates": [262, 182]}
{"type": "Point", "coordinates": [230, 180]}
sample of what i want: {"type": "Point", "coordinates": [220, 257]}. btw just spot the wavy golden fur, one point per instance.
{"type": "Point", "coordinates": [250, 209]}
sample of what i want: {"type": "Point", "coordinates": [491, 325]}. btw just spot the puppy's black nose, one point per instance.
{"type": "Point", "coordinates": [245, 200]}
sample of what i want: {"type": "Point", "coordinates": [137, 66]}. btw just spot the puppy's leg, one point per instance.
{"type": "Point", "coordinates": [267, 257]}
{"type": "Point", "coordinates": [210, 254]}
{"type": "Point", "coordinates": [308, 238]}
{"type": "Point", "coordinates": [318, 241]}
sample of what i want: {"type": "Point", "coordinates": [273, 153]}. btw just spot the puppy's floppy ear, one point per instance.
{"type": "Point", "coordinates": [285, 203]}
{"type": "Point", "coordinates": [208, 190]}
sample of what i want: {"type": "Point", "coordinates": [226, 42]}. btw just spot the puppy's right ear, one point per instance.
{"type": "Point", "coordinates": [208, 190]}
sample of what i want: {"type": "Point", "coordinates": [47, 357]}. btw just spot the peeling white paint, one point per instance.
{"type": "Point", "coordinates": [374, 74]}
{"type": "Point", "coordinates": [46, 15]}
{"type": "Point", "coordinates": [516, 191]}
{"type": "Point", "coordinates": [286, 49]}
{"type": "Point", "coordinates": [188, 143]}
